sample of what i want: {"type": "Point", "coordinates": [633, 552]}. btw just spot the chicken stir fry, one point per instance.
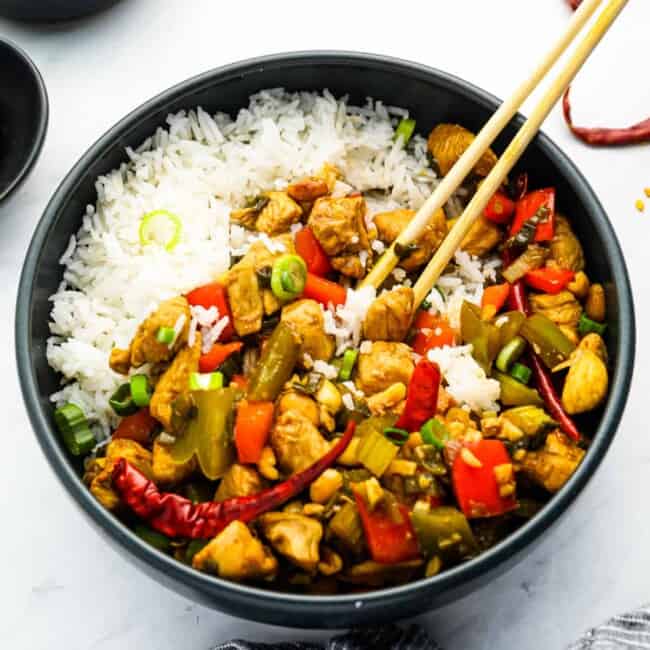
{"type": "Point", "coordinates": [328, 437]}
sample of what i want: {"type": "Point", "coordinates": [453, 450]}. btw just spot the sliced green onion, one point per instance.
{"type": "Point", "coordinates": [166, 335]}
{"type": "Point", "coordinates": [288, 276]}
{"type": "Point", "coordinates": [194, 547]}
{"type": "Point", "coordinates": [73, 427]}
{"type": "Point", "coordinates": [426, 305]}
{"type": "Point", "coordinates": [376, 452]}
{"type": "Point", "coordinates": [206, 381]}
{"type": "Point", "coordinates": [349, 361]}
{"type": "Point", "coordinates": [153, 537]}
{"type": "Point", "coordinates": [405, 129]}
{"type": "Point", "coordinates": [140, 390]}
{"type": "Point", "coordinates": [586, 326]}
{"type": "Point", "coordinates": [434, 433]}
{"type": "Point", "coordinates": [160, 227]}
{"type": "Point", "coordinates": [510, 353]}
{"type": "Point", "coordinates": [521, 373]}
{"type": "Point", "coordinates": [396, 436]}
{"type": "Point", "coordinates": [122, 401]}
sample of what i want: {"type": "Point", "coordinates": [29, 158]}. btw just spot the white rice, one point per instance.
{"type": "Point", "coordinates": [199, 168]}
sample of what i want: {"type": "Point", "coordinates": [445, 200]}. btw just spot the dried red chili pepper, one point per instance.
{"type": "Point", "coordinates": [543, 379]}
{"type": "Point", "coordinates": [604, 137]}
{"type": "Point", "coordinates": [574, 4]}
{"type": "Point", "coordinates": [421, 396]}
{"type": "Point", "coordinates": [176, 516]}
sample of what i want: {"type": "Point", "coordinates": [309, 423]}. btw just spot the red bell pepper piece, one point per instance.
{"type": "Point", "coordinates": [309, 248]}
{"type": "Point", "coordinates": [499, 208]}
{"type": "Point", "coordinates": [476, 488]}
{"type": "Point", "coordinates": [493, 300]}
{"type": "Point", "coordinates": [324, 291]}
{"type": "Point", "coordinates": [528, 206]}
{"type": "Point", "coordinates": [176, 516]}
{"type": "Point", "coordinates": [549, 279]}
{"type": "Point", "coordinates": [219, 352]}
{"type": "Point", "coordinates": [252, 428]}
{"type": "Point", "coordinates": [431, 332]}
{"type": "Point", "coordinates": [421, 396]}
{"type": "Point", "coordinates": [137, 427]}
{"type": "Point", "coordinates": [389, 542]}
{"type": "Point", "coordinates": [214, 295]}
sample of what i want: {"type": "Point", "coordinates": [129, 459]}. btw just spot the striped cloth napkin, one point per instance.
{"type": "Point", "coordinates": [629, 631]}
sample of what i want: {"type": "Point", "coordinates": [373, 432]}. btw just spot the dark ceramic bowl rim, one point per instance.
{"type": "Point", "coordinates": [41, 127]}
{"type": "Point", "coordinates": [295, 604]}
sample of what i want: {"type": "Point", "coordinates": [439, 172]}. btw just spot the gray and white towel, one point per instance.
{"type": "Point", "coordinates": [629, 631]}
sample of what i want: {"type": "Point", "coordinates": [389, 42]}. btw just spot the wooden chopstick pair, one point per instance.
{"type": "Point", "coordinates": [511, 155]}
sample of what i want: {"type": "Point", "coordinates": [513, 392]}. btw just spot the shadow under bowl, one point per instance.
{"type": "Point", "coordinates": [431, 96]}
{"type": "Point", "coordinates": [23, 116]}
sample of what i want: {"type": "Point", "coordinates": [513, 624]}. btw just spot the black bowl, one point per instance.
{"type": "Point", "coordinates": [23, 116]}
{"type": "Point", "coordinates": [431, 96]}
{"type": "Point", "coordinates": [51, 10]}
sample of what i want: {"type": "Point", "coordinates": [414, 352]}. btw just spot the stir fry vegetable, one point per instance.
{"type": "Point", "coordinates": [161, 227]}
{"type": "Point", "coordinates": [288, 277]}
{"type": "Point", "coordinates": [73, 427]}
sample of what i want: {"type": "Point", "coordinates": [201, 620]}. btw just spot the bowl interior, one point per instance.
{"type": "Point", "coordinates": [23, 116]}
{"type": "Point", "coordinates": [431, 97]}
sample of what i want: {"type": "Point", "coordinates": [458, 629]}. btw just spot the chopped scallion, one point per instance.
{"type": "Point", "coordinates": [396, 436]}
{"type": "Point", "coordinates": [349, 361]}
{"type": "Point", "coordinates": [206, 381]}
{"type": "Point", "coordinates": [121, 401]}
{"type": "Point", "coordinates": [586, 326]}
{"type": "Point", "coordinates": [161, 227]}
{"type": "Point", "coordinates": [140, 390]}
{"type": "Point", "coordinates": [405, 130]}
{"type": "Point", "coordinates": [510, 352]}
{"type": "Point", "coordinates": [74, 429]}
{"type": "Point", "coordinates": [288, 277]}
{"type": "Point", "coordinates": [166, 335]}
{"type": "Point", "coordinates": [194, 547]}
{"type": "Point", "coordinates": [521, 373]}
{"type": "Point", "coordinates": [426, 304]}
{"type": "Point", "coordinates": [434, 433]}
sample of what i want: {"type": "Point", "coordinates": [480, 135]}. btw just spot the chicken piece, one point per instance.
{"type": "Point", "coordinates": [330, 174]}
{"type": "Point", "coordinates": [386, 364]}
{"type": "Point", "coordinates": [562, 308]}
{"type": "Point", "coordinates": [173, 382]}
{"type": "Point", "coordinates": [482, 237]}
{"type": "Point", "coordinates": [388, 401]}
{"type": "Point", "coordinates": [278, 214]}
{"type": "Point", "coordinates": [595, 305]}
{"type": "Point", "coordinates": [300, 403]}
{"type": "Point", "coordinates": [238, 481]}
{"type": "Point", "coordinates": [553, 465]}
{"type": "Point", "coordinates": [305, 318]}
{"type": "Point", "coordinates": [245, 299]}
{"type": "Point", "coordinates": [297, 537]}
{"type": "Point", "coordinates": [389, 316]}
{"type": "Point", "coordinates": [247, 216]}
{"type": "Point", "coordinates": [566, 249]}
{"type": "Point", "coordinates": [448, 142]}
{"type": "Point", "coordinates": [99, 474]}
{"type": "Point", "coordinates": [267, 464]}
{"type": "Point", "coordinates": [586, 383]}
{"type": "Point", "coordinates": [235, 554]}
{"type": "Point", "coordinates": [308, 189]}
{"type": "Point", "coordinates": [338, 224]}
{"type": "Point", "coordinates": [145, 347]}
{"type": "Point", "coordinates": [390, 225]}
{"type": "Point", "coordinates": [166, 471]}
{"type": "Point", "coordinates": [297, 443]}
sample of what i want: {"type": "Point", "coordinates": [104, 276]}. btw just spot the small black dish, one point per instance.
{"type": "Point", "coordinates": [431, 96]}
{"type": "Point", "coordinates": [23, 116]}
{"type": "Point", "coordinates": [51, 10]}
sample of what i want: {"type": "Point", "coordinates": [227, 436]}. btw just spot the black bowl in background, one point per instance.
{"type": "Point", "coordinates": [51, 10]}
{"type": "Point", "coordinates": [23, 116]}
{"type": "Point", "coordinates": [431, 96]}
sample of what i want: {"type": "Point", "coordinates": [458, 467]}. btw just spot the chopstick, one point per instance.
{"type": "Point", "coordinates": [483, 140]}
{"type": "Point", "coordinates": [515, 149]}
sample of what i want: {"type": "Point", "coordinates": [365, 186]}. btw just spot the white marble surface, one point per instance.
{"type": "Point", "coordinates": [61, 586]}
